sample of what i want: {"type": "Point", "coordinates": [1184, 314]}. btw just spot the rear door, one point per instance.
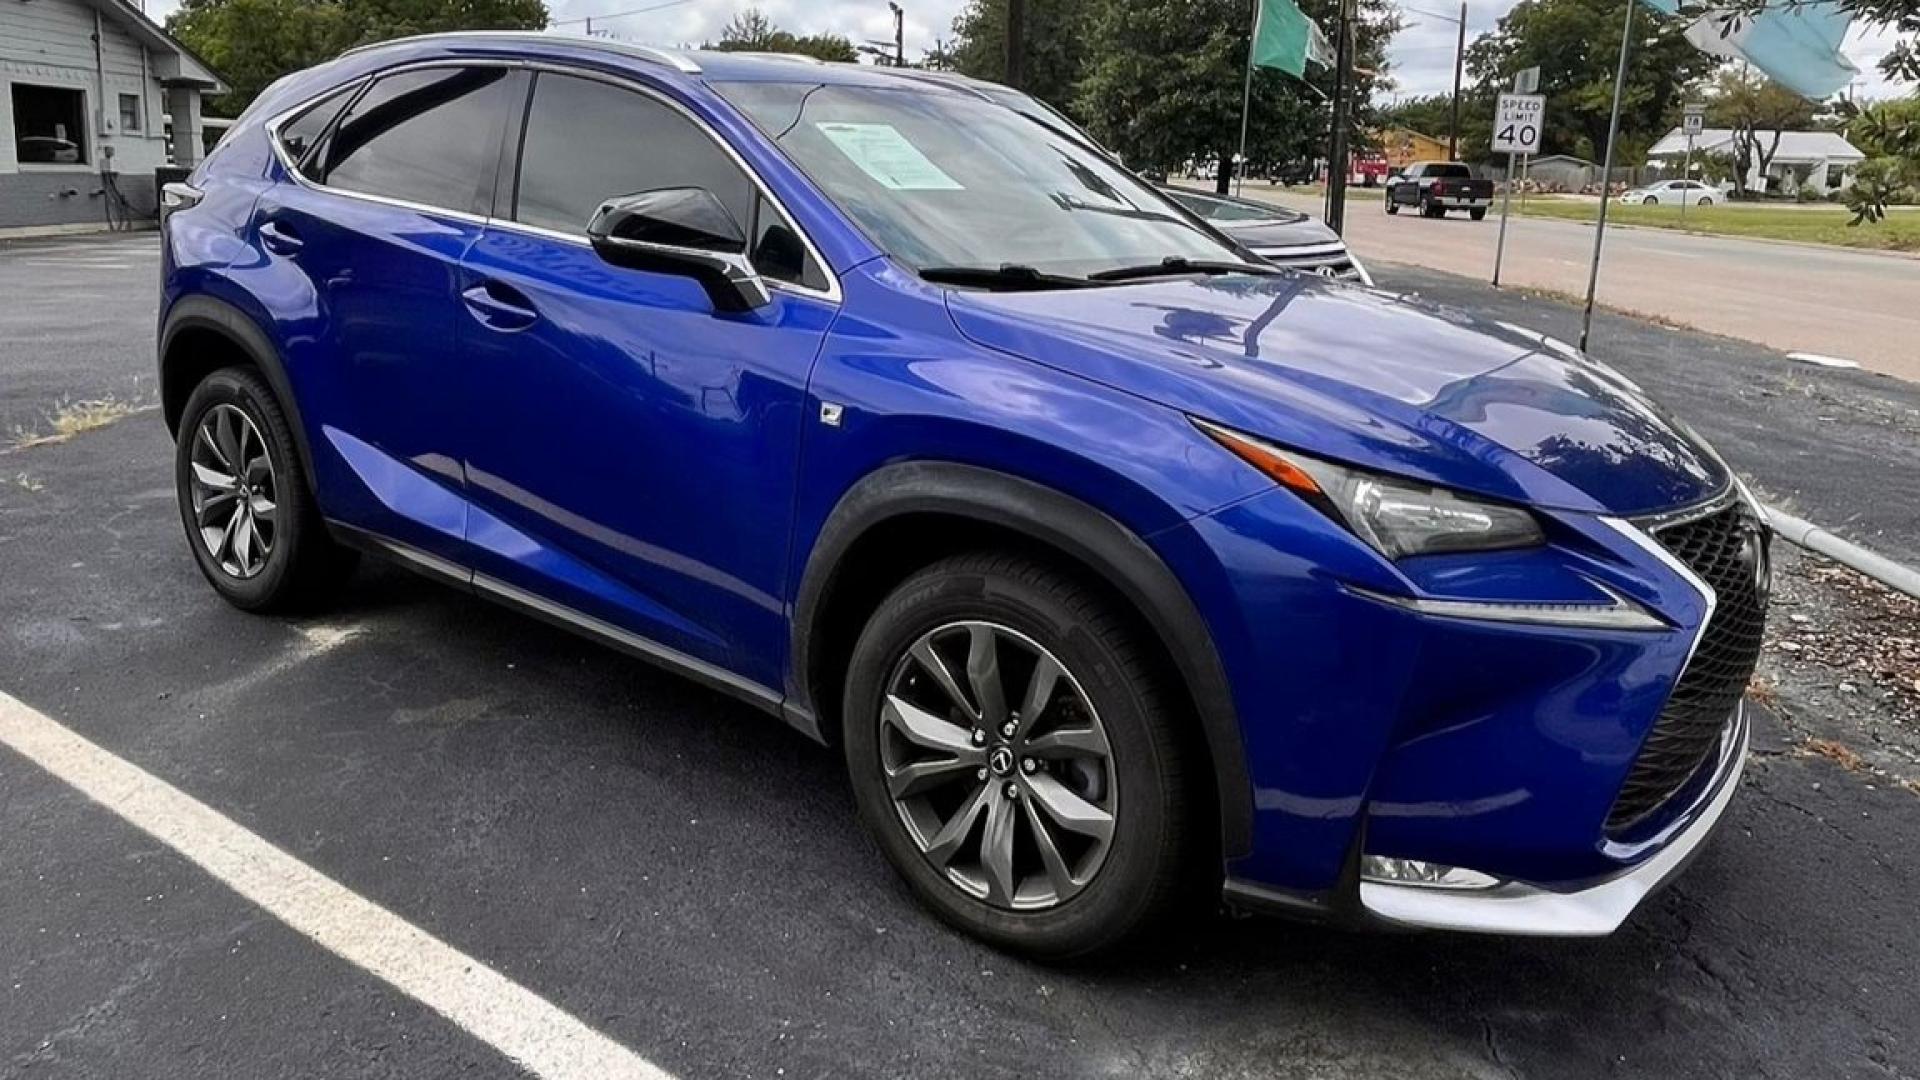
{"type": "Point", "coordinates": [634, 450]}
{"type": "Point", "coordinates": [379, 208]}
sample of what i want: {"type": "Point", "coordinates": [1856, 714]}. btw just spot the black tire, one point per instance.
{"type": "Point", "coordinates": [1393, 206]}
{"type": "Point", "coordinates": [1703, 201]}
{"type": "Point", "coordinates": [1429, 208]}
{"type": "Point", "coordinates": [1650, 201]}
{"type": "Point", "coordinates": [1148, 864]}
{"type": "Point", "coordinates": [302, 560]}
{"type": "Point", "coordinates": [1478, 213]}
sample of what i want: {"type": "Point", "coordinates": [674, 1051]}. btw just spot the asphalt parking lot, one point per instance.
{"type": "Point", "coordinates": [688, 879]}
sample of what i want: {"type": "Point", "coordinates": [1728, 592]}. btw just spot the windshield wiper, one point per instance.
{"type": "Point", "coordinates": [1179, 264]}
{"type": "Point", "coordinates": [1004, 276]}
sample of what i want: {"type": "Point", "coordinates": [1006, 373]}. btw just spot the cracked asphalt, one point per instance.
{"type": "Point", "coordinates": [689, 878]}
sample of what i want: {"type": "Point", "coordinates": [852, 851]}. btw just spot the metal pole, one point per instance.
{"type": "Point", "coordinates": [1606, 177]}
{"type": "Point", "coordinates": [1337, 163]}
{"type": "Point", "coordinates": [899, 36]}
{"type": "Point", "coordinates": [1500, 246]}
{"type": "Point", "coordinates": [1686, 175]}
{"type": "Point", "coordinates": [1459, 59]}
{"type": "Point", "coordinates": [1246, 100]}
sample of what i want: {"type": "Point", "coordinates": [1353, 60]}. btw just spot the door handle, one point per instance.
{"type": "Point", "coordinates": [500, 307]}
{"type": "Point", "coordinates": [280, 239]}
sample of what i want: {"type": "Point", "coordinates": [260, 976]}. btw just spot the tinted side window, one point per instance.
{"type": "Point", "coordinates": [589, 141]}
{"type": "Point", "coordinates": [300, 134]}
{"type": "Point", "coordinates": [429, 136]}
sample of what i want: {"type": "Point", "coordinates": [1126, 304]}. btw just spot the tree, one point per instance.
{"type": "Point", "coordinates": [1426, 115]}
{"type": "Point", "coordinates": [1164, 84]}
{"type": "Point", "coordinates": [1057, 46]}
{"type": "Point", "coordinates": [253, 42]}
{"type": "Point", "coordinates": [1575, 44]}
{"type": "Point", "coordinates": [752, 31]}
{"type": "Point", "coordinates": [1757, 110]}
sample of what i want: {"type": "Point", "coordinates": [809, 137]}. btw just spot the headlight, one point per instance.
{"type": "Point", "coordinates": [1396, 517]}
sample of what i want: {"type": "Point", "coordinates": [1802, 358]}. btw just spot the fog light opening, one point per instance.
{"type": "Point", "coordinates": [1430, 875]}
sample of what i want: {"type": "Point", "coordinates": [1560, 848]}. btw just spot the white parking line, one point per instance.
{"type": "Point", "coordinates": [527, 1028]}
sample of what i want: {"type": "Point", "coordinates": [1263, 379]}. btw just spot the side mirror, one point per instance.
{"type": "Point", "coordinates": [685, 230]}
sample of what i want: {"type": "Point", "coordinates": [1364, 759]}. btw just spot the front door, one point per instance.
{"type": "Point", "coordinates": [634, 450]}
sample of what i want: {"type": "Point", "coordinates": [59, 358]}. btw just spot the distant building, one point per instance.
{"type": "Point", "coordinates": [1561, 172]}
{"type": "Point", "coordinates": [88, 89]}
{"type": "Point", "coordinates": [1404, 146]}
{"type": "Point", "coordinates": [1822, 159]}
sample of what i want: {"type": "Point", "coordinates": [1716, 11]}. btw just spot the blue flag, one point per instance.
{"type": "Point", "coordinates": [1795, 44]}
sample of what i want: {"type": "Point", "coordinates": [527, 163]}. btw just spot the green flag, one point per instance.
{"type": "Point", "coordinates": [1284, 38]}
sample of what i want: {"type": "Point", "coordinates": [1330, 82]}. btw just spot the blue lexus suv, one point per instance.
{"type": "Point", "coordinates": [1123, 568]}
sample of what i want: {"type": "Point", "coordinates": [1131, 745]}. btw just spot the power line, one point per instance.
{"type": "Point", "coordinates": [618, 14]}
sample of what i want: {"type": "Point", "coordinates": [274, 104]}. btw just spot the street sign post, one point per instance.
{"type": "Point", "coordinates": [1692, 121]}
{"type": "Point", "coordinates": [1516, 132]}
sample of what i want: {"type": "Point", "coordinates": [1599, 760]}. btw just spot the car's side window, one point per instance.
{"type": "Point", "coordinates": [300, 134]}
{"type": "Point", "coordinates": [429, 136]}
{"type": "Point", "coordinates": [588, 141]}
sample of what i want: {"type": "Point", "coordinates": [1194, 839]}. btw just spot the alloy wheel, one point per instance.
{"type": "Point", "coordinates": [234, 490]}
{"type": "Point", "coordinates": [1013, 799]}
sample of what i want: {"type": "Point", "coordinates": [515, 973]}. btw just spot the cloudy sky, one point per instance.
{"type": "Point", "coordinates": [1422, 56]}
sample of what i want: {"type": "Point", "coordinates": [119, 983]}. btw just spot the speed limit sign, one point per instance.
{"type": "Point", "coordinates": [1516, 123]}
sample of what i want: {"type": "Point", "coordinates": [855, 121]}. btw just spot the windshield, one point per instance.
{"type": "Point", "coordinates": [942, 179]}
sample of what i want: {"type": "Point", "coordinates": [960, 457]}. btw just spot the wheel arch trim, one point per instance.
{"type": "Point", "coordinates": [1057, 520]}
{"type": "Point", "coordinates": [207, 313]}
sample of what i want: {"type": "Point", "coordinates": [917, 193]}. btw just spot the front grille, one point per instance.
{"type": "Point", "coordinates": [1728, 550]}
{"type": "Point", "coordinates": [1329, 260]}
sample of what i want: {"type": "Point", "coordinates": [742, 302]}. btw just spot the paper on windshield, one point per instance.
{"type": "Point", "coordinates": [884, 154]}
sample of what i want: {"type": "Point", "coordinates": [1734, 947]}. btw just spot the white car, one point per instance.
{"type": "Point", "coordinates": [1673, 193]}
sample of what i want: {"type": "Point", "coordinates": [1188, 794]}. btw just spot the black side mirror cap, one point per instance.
{"type": "Point", "coordinates": [682, 230]}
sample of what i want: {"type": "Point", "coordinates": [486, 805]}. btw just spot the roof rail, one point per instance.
{"type": "Point", "coordinates": [798, 58]}
{"type": "Point", "coordinates": [679, 61]}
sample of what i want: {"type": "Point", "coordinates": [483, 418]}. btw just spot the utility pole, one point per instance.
{"type": "Point", "coordinates": [1337, 163]}
{"type": "Point", "coordinates": [899, 35]}
{"type": "Point", "coordinates": [1017, 44]}
{"type": "Point", "coordinates": [1459, 60]}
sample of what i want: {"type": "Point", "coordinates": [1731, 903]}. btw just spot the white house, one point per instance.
{"type": "Point", "coordinates": [88, 89]}
{"type": "Point", "coordinates": [1823, 159]}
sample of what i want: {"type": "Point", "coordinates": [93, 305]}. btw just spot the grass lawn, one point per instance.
{"type": "Point", "coordinates": [1812, 224]}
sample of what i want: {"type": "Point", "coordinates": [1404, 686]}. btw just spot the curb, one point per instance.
{"type": "Point", "coordinates": [1803, 533]}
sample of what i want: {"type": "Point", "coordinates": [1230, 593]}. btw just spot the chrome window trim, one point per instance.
{"type": "Point", "coordinates": [832, 294]}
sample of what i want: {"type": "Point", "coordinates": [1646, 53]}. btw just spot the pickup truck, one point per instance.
{"type": "Point", "coordinates": [1437, 187]}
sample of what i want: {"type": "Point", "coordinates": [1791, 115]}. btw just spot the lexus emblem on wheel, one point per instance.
{"type": "Point", "coordinates": [1001, 760]}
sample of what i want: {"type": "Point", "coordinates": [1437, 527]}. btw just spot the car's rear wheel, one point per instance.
{"type": "Point", "coordinates": [1478, 213]}
{"type": "Point", "coordinates": [250, 517]}
{"type": "Point", "coordinates": [1015, 758]}
{"type": "Point", "coordinates": [1703, 201]}
{"type": "Point", "coordinates": [1431, 209]}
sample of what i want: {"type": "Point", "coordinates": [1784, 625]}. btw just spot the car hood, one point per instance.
{"type": "Point", "coordinates": [1279, 232]}
{"type": "Point", "coordinates": [1367, 378]}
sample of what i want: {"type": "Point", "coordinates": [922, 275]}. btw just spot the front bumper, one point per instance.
{"type": "Point", "coordinates": [1589, 909]}
{"type": "Point", "coordinates": [1380, 731]}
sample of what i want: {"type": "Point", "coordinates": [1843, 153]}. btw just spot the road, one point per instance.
{"type": "Point", "coordinates": [1859, 305]}
{"type": "Point", "coordinates": [689, 879]}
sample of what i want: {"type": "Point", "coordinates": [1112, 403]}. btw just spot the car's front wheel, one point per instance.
{"type": "Point", "coordinates": [250, 518]}
{"type": "Point", "coordinates": [1393, 205]}
{"type": "Point", "coordinates": [1015, 757]}
{"type": "Point", "coordinates": [1651, 200]}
